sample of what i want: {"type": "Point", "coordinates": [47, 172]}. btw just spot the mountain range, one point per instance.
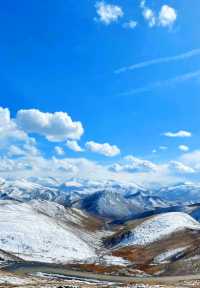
{"type": "Point", "coordinates": [91, 224]}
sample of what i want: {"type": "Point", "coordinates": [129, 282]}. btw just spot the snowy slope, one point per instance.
{"type": "Point", "coordinates": [159, 227]}
{"type": "Point", "coordinates": [32, 235]}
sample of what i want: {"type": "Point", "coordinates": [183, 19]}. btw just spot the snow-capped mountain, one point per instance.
{"type": "Point", "coordinates": [181, 193]}
{"type": "Point", "coordinates": [115, 205]}
{"type": "Point", "coordinates": [109, 204]}
{"type": "Point", "coordinates": [110, 199]}
{"type": "Point", "coordinates": [64, 193]}
{"type": "Point", "coordinates": [146, 201]}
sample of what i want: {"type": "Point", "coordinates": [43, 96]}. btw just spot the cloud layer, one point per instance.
{"type": "Point", "coordinates": [20, 155]}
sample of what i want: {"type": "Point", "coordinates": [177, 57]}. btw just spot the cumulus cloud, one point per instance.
{"type": "Point", "coordinates": [183, 148]}
{"type": "Point", "coordinates": [59, 150]}
{"type": "Point", "coordinates": [73, 145]}
{"type": "Point", "coordinates": [105, 149]}
{"type": "Point", "coordinates": [181, 134]}
{"type": "Point", "coordinates": [9, 129]}
{"type": "Point", "coordinates": [167, 16]}
{"type": "Point", "coordinates": [27, 149]}
{"type": "Point", "coordinates": [108, 13]}
{"type": "Point", "coordinates": [55, 127]}
{"type": "Point", "coordinates": [132, 164]}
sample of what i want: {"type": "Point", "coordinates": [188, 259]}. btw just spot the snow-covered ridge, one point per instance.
{"type": "Point", "coordinates": [159, 227]}
{"type": "Point", "coordinates": [123, 200]}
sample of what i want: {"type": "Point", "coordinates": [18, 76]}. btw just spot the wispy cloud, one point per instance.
{"type": "Point", "coordinates": [162, 60]}
{"type": "Point", "coordinates": [168, 82]}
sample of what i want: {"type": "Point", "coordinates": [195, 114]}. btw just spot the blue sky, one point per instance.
{"type": "Point", "coordinates": [58, 56]}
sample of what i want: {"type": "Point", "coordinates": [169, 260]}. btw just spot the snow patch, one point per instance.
{"type": "Point", "coordinates": [109, 260]}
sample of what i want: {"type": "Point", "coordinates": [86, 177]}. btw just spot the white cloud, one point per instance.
{"type": "Point", "coordinates": [167, 16]}
{"type": "Point", "coordinates": [8, 128]}
{"type": "Point", "coordinates": [149, 16]}
{"type": "Point", "coordinates": [55, 127]}
{"type": "Point", "coordinates": [179, 167]}
{"type": "Point", "coordinates": [8, 166]}
{"type": "Point", "coordinates": [130, 24]}
{"type": "Point", "coordinates": [64, 165]}
{"type": "Point", "coordinates": [65, 168]}
{"type": "Point", "coordinates": [132, 164]}
{"type": "Point", "coordinates": [59, 150]}
{"type": "Point", "coordinates": [31, 149]}
{"type": "Point", "coordinates": [27, 149]}
{"type": "Point", "coordinates": [183, 148]}
{"type": "Point", "coordinates": [22, 157]}
{"type": "Point", "coordinates": [181, 134]}
{"type": "Point", "coordinates": [130, 169]}
{"type": "Point", "coordinates": [108, 13]}
{"type": "Point", "coordinates": [105, 149]}
{"type": "Point", "coordinates": [73, 145]}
